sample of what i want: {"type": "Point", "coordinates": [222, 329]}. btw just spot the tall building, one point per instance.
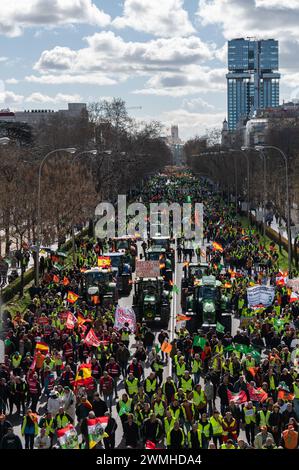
{"type": "Point", "coordinates": [252, 80]}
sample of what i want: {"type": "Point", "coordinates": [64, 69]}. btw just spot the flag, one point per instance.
{"type": "Point", "coordinates": [181, 317]}
{"type": "Point", "coordinates": [42, 347]}
{"type": "Point", "coordinates": [227, 285]}
{"type": "Point", "coordinates": [219, 327]}
{"type": "Point", "coordinates": [286, 396]}
{"type": "Point", "coordinates": [175, 289]}
{"type": "Point", "coordinates": [33, 364]}
{"type": "Point", "coordinates": [65, 281]}
{"type": "Point", "coordinates": [237, 398]}
{"type": "Point", "coordinates": [257, 394]}
{"type": "Point", "coordinates": [91, 339]}
{"type": "Point", "coordinates": [70, 321]}
{"type": "Point", "coordinates": [217, 247]}
{"type": "Point", "coordinates": [104, 261]}
{"type": "Point", "coordinates": [150, 445]}
{"type": "Point", "coordinates": [55, 279]}
{"type": "Point", "coordinates": [253, 370]}
{"type": "Point", "coordinates": [95, 299]}
{"type": "Point", "coordinates": [199, 341]}
{"type": "Point", "coordinates": [83, 377]}
{"type": "Point", "coordinates": [81, 320]}
{"type": "Point", "coordinates": [96, 430]}
{"type": "Point", "coordinates": [33, 417]}
{"type": "Point", "coordinates": [166, 347]}
{"type": "Point", "coordinates": [294, 297]}
{"type": "Point", "coordinates": [68, 437]}
{"type": "Point", "coordinates": [72, 297]}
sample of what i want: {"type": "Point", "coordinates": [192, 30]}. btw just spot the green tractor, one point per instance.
{"type": "Point", "coordinates": [151, 302]}
{"type": "Point", "coordinates": [204, 305]}
{"type": "Point", "coordinates": [99, 282]}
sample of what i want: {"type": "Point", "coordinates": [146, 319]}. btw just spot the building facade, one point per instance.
{"type": "Point", "coordinates": [252, 79]}
{"type": "Point", "coordinates": [34, 117]}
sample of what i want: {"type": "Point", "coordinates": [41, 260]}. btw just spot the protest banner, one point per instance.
{"type": "Point", "coordinates": [293, 284]}
{"type": "Point", "coordinates": [260, 295]}
{"type": "Point", "coordinates": [125, 315]}
{"type": "Point", "coordinates": [147, 268]}
{"type": "Point", "coordinates": [68, 437]}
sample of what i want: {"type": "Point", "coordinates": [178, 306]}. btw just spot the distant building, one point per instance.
{"type": "Point", "coordinates": [252, 80]}
{"type": "Point", "coordinates": [34, 117]}
{"type": "Point", "coordinates": [176, 145]}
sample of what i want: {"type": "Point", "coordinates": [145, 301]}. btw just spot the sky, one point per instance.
{"type": "Point", "coordinates": [167, 56]}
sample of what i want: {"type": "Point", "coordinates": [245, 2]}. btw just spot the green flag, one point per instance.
{"type": "Point", "coordinates": [199, 341]}
{"type": "Point", "coordinates": [158, 349]}
{"type": "Point", "coordinates": [219, 327]}
{"type": "Point", "coordinates": [175, 289]}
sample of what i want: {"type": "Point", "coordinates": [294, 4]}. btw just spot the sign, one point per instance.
{"type": "Point", "coordinates": [293, 284]}
{"type": "Point", "coordinates": [125, 315]}
{"type": "Point", "coordinates": [147, 268]}
{"type": "Point", "coordinates": [260, 295]}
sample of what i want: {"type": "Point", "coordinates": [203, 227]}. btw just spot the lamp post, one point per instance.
{"type": "Point", "coordinates": [38, 227]}
{"type": "Point", "coordinates": [286, 162]}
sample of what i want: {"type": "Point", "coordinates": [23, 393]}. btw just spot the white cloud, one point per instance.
{"type": "Point", "coordinates": [197, 104]}
{"type": "Point", "coordinates": [59, 98]}
{"type": "Point", "coordinates": [108, 59]}
{"type": "Point", "coordinates": [16, 15]}
{"type": "Point", "coordinates": [12, 81]}
{"type": "Point", "coordinates": [192, 123]}
{"type": "Point", "coordinates": [277, 3]}
{"type": "Point", "coordinates": [166, 18]}
{"type": "Point", "coordinates": [9, 98]}
{"type": "Point", "coordinates": [3, 59]}
{"type": "Point", "coordinates": [188, 80]}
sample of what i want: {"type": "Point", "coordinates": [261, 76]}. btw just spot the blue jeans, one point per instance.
{"type": "Point", "coordinates": [108, 400]}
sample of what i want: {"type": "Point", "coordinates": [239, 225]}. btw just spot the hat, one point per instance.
{"type": "Point", "coordinates": [66, 387]}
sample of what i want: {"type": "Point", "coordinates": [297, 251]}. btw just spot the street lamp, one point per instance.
{"type": "Point", "coordinates": [70, 151]}
{"type": "Point", "coordinates": [286, 161]}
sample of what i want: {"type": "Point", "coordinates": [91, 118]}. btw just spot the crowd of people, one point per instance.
{"type": "Point", "coordinates": [225, 391]}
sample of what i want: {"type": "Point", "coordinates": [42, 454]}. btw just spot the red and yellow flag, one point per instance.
{"type": "Point", "coordinates": [217, 247]}
{"type": "Point", "coordinates": [83, 376]}
{"type": "Point", "coordinates": [104, 261]}
{"type": "Point", "coordinates": [72, 297]}
{"type": "Point", "coordinates": [182, 318]}
{"type": "Point", "coordinates": [43, 347]}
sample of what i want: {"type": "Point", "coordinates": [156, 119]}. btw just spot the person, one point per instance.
{"type": "Point", "coordinates": [124, 408]}
{"type": "Point", "coordinates": [261, 437]}
{"type": "Point", "coordinates": [114, 371]}
{"type": "Point", "coordinates": [249, 419]}
{"type": "Point", "coordinates": [229, 425]}
{"type": "Point", "coordinates": [229, 444]}
{"type": "Point", "coordinates": [69, 402]}
{"type": "Point", "coordinates": [99, 407]}
{"type": "Point", "coordinates": [48, 423]}
{"type": "Point", "coordinates": [62, 419]}
{"type": "Point", "coordinates": [29, 429]}
{"type": "Point", "coordinates": [195, 437]}
{"type": "Point", "coordinates": [106, 389]}
{"type": "Point", "coordinates": [5, 425]}
{"type": "Point", "coordinates": [176, 437]}
{"type": "Point", "coordinates": [216, 428]}
{"type": "Point", "coordinates": [131, 432]}
{"type": "Point", "coordinates": [275, 421]}
{"type": "Point", "coordinates": [122, 357]}
{"type": "Point", "coordinates": [42, 441]}
{"type": "Point", "coordinates": [290, 438]}
{"type": "Point", "coordinates": [152, 429]}
{"type": "Point", "coordinates": [20, 389]}
{"type": "Point", "coordinates": [269, 445]}
{"type": "Point", "coordinates": [109, 442]}
{"type": "Point", "coordinates": [10, 441]}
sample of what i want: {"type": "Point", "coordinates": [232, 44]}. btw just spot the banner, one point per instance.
{"type": "Point", "coordinates": [260, 295]}
{"type": "Point", "coordinates": [294, 284]}
{"type": "Point", "coordinates": [91, 339]}
{"type": "Point", "coordinates": [68, 437]}
{"type": "Point", "coordinates": [125, 315]}
{"type": "Point", "coordinates": [237, 398]}
{"type": "Point", "coordinates": [147, 268]}
{"type": "Point", "coordinates": [257, 394]}
{"type": "Point", "coordinates": [70, 321]}
{"type": "Point", "coordinates": [96, 430]}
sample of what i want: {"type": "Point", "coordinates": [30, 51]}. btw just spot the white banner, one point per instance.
{"type": "Point", "coordinates": [260, 295]}
{"type": "Point", "coordinates": [294, 284]}
{"type": "Point", "coordinates": [125, 315]}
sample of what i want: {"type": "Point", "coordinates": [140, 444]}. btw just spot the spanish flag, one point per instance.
{"type": "Point", "coordinates": [104, 261]}
{"type": "Point", "coordinates": [72, 297]}
{"type": "Point", "coordinates": [182, 318]}
{"type": "Point", "coordinates": [83, 376]}
{"type": "Point", "coordinates": [43, 347]}
{"type": "Point", "coordinates": [217, 247]}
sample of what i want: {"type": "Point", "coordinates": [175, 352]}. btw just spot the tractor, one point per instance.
{"type": "Point", "coordinates": [151, 301]}
{"type": "Point", "coordinates": [98, 282]}
{"type": "Point", "coordinates": [122, 272]}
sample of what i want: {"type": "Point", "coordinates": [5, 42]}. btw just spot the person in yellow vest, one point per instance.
{"type": "Point", "coordinates": [176, 437]}
{"type": "Point", "coordinates": [186, 382]}
{"type": "Point", "coordinates": [159, 407]}
{"type": "Point", "coordinates": [180, 368]}
{"type": "Point", "coordinates": [180, 395]}
{"type": "Point", "coordinates": [168, 423]}
{"type": "Point", "coordinates": [175, 410]}
{"type": "Point", "coordinates": [151, 384]}
{"type": "Point", "coordinates": [296, 396]}
{"type": "Point", "coordinates": [263, 416]}
{"type": "Point", "coordinates": [194, 437]}
{"type": "Point", "coordinates": [219, 349]}
{"type": "Point", "coordinates": [196, 368]}
{"type": "Point", "coordinates": [206, 430]}
{"type": "Point", "coordinates": [217, 429]}
{"type": "Point", "coordinates": [16, 360]}
{"type": "Point", "coordinates": [48, 422]}
{"type": "Point", "coordinates": [124, 407]}
{"type": "Point", "coordinates": [131, 385]}
{"type": "Point", "coordinates": [199, 400]}
{"type": "Point", "coordinates": [249, 419]}
{"type": "Point", "coordinates": [228, 445]}
{"type": "Point", "coordinates": [230, 428]}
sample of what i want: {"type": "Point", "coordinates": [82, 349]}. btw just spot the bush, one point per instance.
{"type": "Point", "coordinates": [9, 292]}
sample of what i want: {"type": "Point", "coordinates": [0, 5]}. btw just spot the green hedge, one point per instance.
{"type": "Point", "coordinates": [9, 292]}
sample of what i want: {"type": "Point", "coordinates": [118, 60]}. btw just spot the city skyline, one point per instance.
{"type": "Point", "coordinates": [174, 65]}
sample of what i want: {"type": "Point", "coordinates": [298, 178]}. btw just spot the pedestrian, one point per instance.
{"type": "Point", "coordinates": [109, 441]}
{"type": "Point", "coordinates": [10, 441]}
{"type": "Point", "coordinates": [29, 429]}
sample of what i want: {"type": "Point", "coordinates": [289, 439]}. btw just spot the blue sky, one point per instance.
{"type": "Point", "coordinates": [168, 56]}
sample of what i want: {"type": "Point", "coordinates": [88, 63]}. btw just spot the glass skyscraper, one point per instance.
{"type": "Point", "coordinates": [252, 80]}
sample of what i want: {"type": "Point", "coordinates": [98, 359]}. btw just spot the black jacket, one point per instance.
{"type": "Point", "coordinates": [11, 441]}
{"type": "Point", "coordinates": [99, 407]}
{"type": "Point", "coordinates": [131, 434]}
